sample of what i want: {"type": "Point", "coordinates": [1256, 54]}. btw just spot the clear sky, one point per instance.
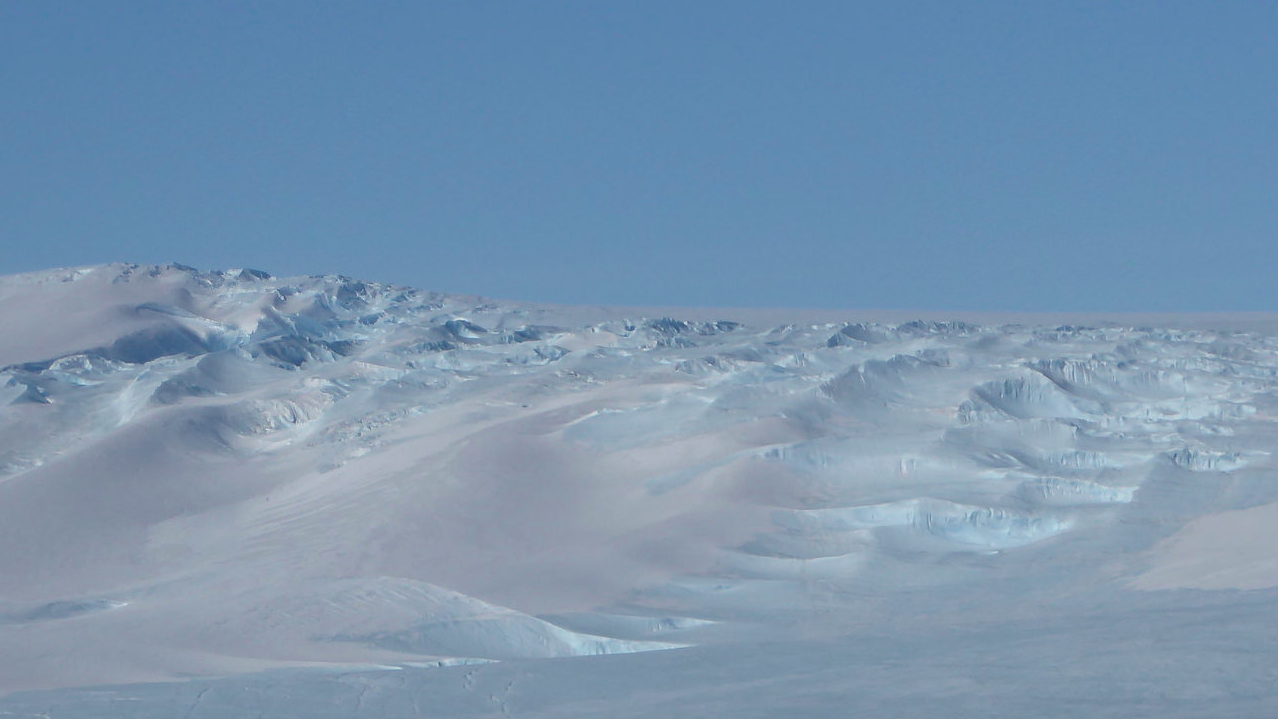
{"type": "Point", "coordinates": [956, 155]}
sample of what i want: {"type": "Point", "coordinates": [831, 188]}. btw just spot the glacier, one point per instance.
{"type": "Point", "coordinates": [224, 493]}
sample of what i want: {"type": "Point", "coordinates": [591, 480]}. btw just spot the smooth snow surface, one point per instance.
{"type": "Point", "coordinates": [225, 494]}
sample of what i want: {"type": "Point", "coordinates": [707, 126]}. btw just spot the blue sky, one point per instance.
{"type": "Point", "coordinates": [988, 156]}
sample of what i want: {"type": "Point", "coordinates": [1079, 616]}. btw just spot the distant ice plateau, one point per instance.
{"type": "Point", "coordinates": [227, 494]}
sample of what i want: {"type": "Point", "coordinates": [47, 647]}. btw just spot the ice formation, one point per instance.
{"type": "Point", "coordinates": [231, 494]}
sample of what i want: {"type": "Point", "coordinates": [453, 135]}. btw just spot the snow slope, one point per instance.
{"type": "Point", "coordinates": [230, 494]}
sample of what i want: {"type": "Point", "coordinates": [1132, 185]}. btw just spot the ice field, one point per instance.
{"type": "Point", "coordinates": [226, 494]}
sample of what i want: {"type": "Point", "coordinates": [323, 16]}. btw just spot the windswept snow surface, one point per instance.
{"type": "Point", "coordinates": [227, 494]}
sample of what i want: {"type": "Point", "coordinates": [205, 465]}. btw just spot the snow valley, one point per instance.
{"type": "Point", "coordinates": [230, 494]}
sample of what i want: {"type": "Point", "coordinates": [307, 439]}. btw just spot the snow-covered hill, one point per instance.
{"type": "Point", "coordinates": [230, 494]}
